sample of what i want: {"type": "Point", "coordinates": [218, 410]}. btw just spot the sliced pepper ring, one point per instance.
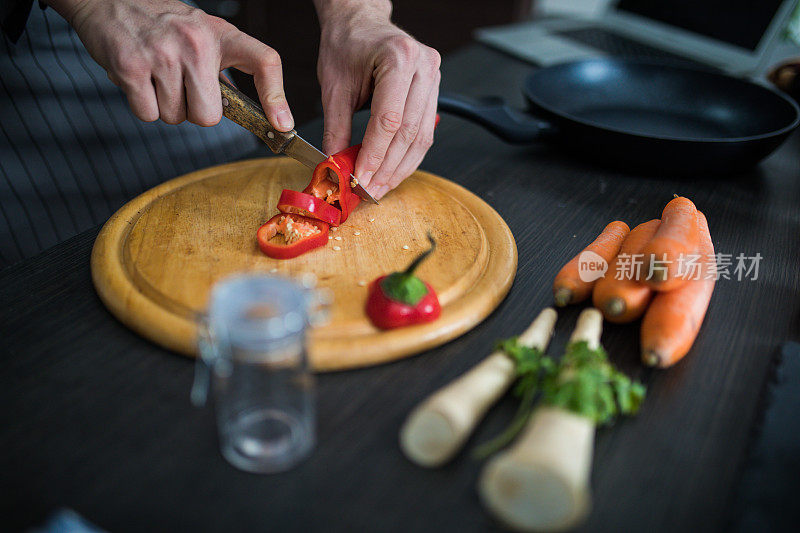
{"type": "Point", "coordinates": [301, 234]}
{"type": "Point", "coordinates": [308, 206]}
{"type": "Point", "coordinates": [331, 181]}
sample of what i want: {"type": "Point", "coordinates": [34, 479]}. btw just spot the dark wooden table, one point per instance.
{"type": "Point", "coordinates": [97, 419]}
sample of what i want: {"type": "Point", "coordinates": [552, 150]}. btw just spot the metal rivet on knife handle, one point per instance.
{"type": "Point", "coordinates": [248, 114]}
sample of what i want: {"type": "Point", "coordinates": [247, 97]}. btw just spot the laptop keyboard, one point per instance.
{"type": "Point", "coordinates": [615, 44]}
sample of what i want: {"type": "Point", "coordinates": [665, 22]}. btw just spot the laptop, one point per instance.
{"type": "Point", "coordinates": [735, 36]}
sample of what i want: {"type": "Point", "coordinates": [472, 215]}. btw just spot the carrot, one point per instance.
{"type": "Point", "coordinates": [673, 320]}
{"type": "Point", "coordinates": [568, 287]}
{"type": "Point", "coordinates": [624, 300]}
{"type": "Point", "coordinates": [675, 239]}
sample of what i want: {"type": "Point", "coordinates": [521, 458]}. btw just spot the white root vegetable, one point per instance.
{"type": "Point", "coordinates": [541, 483]}
{"type": "Point", "coordinates": [589, 328]}
{"type": "Point", "coordinates": [435, 431]}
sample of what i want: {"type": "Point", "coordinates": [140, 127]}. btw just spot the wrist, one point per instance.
{"type": "Point", "coordinates": [68, 9]}
{"type": "Point", "coordinates": [342, 13]}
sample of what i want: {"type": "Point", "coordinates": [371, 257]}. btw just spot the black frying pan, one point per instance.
{"type": "Point", "coordinates": [644, 115]}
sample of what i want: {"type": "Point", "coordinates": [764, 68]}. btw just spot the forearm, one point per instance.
{"type": "Point", "coordinates": [333, 11]}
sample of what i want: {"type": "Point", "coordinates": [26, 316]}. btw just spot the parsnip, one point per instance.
{"type": "Point", "coordinates": [439, 426]}
{"type": "Point", "coordinates": [541, 483]}
{"type": "Point", "coordinates": [589, 328]}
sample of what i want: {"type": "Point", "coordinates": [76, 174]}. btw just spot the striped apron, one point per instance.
{"type": "Point", "coordinates": [71, 151]}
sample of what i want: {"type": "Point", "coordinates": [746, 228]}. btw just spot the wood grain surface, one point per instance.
{"type": "Point", "coordinates": [156, 259]}
{"type": "Point", "coordinates": [98, 419]}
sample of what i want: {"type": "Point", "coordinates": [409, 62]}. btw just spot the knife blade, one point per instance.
{"type": "Point", "coordinates": [239, 108]}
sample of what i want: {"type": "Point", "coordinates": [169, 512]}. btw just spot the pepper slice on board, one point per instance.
{"type": "Point", "coordinates": [402, 299]}
{"type": "Point", "coordinates": [300, 234]}
{"type": "Point", "coordinates": [309, 206]}
{"type": "Point", "coordinates": [331, 181]}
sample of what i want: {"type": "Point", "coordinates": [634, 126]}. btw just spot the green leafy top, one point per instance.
{"type": "Point", "coordinates": [530, 364]}
{"type": "Point", "coordinates": [583, 382]}
{"type": "Point", "coordinates": [586, 383]}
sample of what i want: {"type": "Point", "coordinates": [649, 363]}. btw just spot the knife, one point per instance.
{"type": "Point", "coordinates": [245, 112]}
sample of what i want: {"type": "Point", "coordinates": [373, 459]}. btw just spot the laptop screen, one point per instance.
{"type": "Point", "coordinates": [739, 22]}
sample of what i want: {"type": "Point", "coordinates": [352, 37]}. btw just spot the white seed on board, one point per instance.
{"type": "Point", "coordinates": [356, 233]}
{"type": "Point", "coordinates": [405, 247]}
{"type": "Point", "coordinates": [372, 220]}
{"type": "Point", "coordinates": [338, 238]}
{"type": "Point", "coordinates": [362, 283]}
{"type": "Point", "coordinates": [334, 228]}
{"type": "Point", "coordinates": [337, 248]}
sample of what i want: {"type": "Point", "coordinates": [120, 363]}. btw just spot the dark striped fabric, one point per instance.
{"type": "Point", "coordinates": [71, 151]}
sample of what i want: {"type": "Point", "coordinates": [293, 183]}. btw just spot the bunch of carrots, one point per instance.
{"type": "Point", "coordinates": [672, 296]}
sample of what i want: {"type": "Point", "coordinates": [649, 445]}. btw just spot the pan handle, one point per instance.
{"type": "Point", "coordinates": [492, 113]}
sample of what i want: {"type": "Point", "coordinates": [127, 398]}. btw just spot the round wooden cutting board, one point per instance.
{"type": "Point", "coordinates": [155, 260]}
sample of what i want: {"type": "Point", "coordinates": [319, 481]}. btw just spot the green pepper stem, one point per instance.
{"type": "Point", "coordinates": [416, 262]}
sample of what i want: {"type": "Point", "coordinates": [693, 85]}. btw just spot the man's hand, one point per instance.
{"type": "Point", "coordinates": [362, 53]}
{"type": "Point", "coordinates": [167, 57]}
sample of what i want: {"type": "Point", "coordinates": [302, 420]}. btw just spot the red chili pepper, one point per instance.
{"type": "Point", "coordinates": [301, 234]}
{"type": "Point", "coordinates": [331, 181]}
{"type": "Point", "coordinates": [402, 299]}
{"type": "Point", "coordinates": [303, 204]}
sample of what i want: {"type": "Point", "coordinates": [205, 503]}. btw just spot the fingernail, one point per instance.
{"type": "Point", "coordinates": [285, 120]}
{"type": "Point", "coordinates": [375, 190]}
{"type": "Point", "coordinates": [381, 192]}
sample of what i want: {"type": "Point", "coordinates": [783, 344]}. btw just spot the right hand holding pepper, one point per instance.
{"type": "Point", "coordinates": [363, 54]}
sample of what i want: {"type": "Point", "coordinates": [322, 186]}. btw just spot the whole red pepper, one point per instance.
{"type": "Point", "coordinates": [402, 299]}
{"type": "Point", "coordinates": [331, 181]}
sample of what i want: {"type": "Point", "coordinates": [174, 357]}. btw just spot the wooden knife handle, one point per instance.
{"type": "Point", "coordinates": [248, 114]}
